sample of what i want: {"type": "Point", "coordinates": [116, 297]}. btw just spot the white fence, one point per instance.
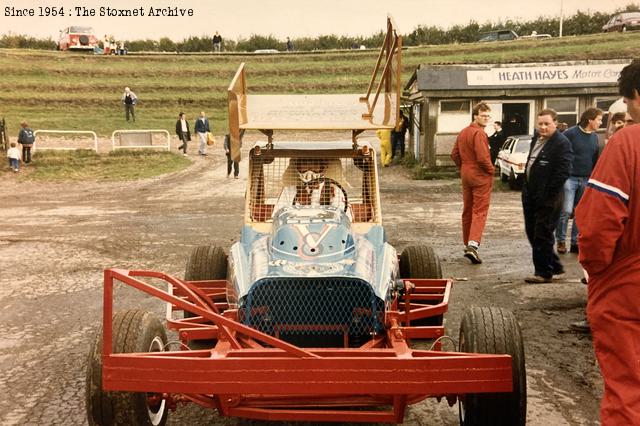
{"type": "Point", "coordinates": [140, 139]}
{"type": "Point", "coordinates": [63, 144]}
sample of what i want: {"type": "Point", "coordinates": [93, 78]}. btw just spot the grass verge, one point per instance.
{"type": "Point", "coordinates": [87, 165]}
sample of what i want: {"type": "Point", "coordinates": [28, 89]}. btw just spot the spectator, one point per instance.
{"type": "Point", "coordinates": [398, 135]}
{"type": "Point", "coordinates": [26, 138]}
{"type": "Point", "coordinates": [609, 219]}
{"type": "Point", "coordinates": [625, 118]}
{"type": "Point", "coordinates": [217, 42]}
{"type": "Point", "coordinates": [385, 146]}
{"type": "Point", "coordinates": [628, 120]}
{"type": "Point", "coordinates": [496, 140]}
{"type": "Point", "coordinates": [617, 121]}
{"type": "Point", "coordinates": [615, 109]}
{"type": "Point", "coordinates": [471, 155]}
{"type": "Point", "coordinates": [129, 99]}
{"type": "Point", "coordinates": [183, 132]}
{"type": "Point", "coordinates": [562, 126]}
{"type": "Point", "coordinates": [106, 45]}
{"type": "Point", "coordinates": [202, 128]}
{"type": "Point", "coordinates": [289, 45]}
{"type": "Point", "coordinates": [231, 162]}
{"type": "Point", "coordinates": [13, 154]}
{"type": "Point", "coordinates": [584, 144]}
{"type": "Point", "coordinates": [547, 168]}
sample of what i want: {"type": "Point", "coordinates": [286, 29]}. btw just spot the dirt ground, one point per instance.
{"type": "Point", "coordinates": [55, 240]}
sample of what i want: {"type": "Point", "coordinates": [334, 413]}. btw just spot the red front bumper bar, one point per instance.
{"type": "Point", "coordinates": [254, 375]}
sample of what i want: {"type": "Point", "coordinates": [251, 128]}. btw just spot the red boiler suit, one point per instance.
{"type": "Point", "coordinates": [471, 155]}
{"type": "Point", "coordinates": [608, 218]}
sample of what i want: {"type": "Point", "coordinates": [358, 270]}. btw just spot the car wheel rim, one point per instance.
{"type": "Point", "coordinates": [155, 403]}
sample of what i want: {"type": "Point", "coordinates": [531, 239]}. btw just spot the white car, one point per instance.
{"type": "Point", "coordinates": [512, 159]}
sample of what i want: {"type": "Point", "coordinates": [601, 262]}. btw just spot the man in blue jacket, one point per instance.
{"type": "Point", "coordinates": [202, 128]}
{"type": "Point", "coordinates": [584, 143]}
{"type": "Point", "coordinates": [547, 168]}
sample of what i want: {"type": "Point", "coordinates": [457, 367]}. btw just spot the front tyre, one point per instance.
{"type": "Point", "coordinates": [133, 331]}
{"type": "Point", "coordinates": [494, 331]}
{"type": "Point", "coordinates": [420, 262]}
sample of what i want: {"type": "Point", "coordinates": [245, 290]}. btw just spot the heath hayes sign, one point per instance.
{"type": "Point", "coordinates": [545, 75]}
{"type": "Point", "coordinates": [82, 11]}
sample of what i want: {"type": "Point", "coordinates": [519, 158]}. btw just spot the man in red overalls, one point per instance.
{"type": "Point", "coordinates": [471, 155]}
{"type": "Point", "coordinates": [608, 217]}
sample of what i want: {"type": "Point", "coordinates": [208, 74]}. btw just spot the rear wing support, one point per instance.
{"type": "Point", "coordinates": [390, 78]}
{"type": "Point", "coordinates": [377, 109]}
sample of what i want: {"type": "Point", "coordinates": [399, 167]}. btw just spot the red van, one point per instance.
{"type": "Point", "coordinates": [77, 38]}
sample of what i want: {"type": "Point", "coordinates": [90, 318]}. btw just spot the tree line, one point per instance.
{"type": "Point", "coordinates": [577, 24]}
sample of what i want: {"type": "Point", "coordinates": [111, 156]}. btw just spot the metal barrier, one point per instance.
{"type": "Point", "coordinates": [139, 139]}
{"type": "Point", "coordinates": [58, 148]}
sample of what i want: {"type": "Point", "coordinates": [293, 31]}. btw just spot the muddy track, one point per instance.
{"type": "Point", "coordinates": [57, 238]}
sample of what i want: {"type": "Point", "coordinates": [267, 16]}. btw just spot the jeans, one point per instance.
{"type": "Point", "coordinates": [14, 163]}
{"type": "Point", "coordinates": [26, 152]}
{"type": "Point", "coordinates": [573, 190]}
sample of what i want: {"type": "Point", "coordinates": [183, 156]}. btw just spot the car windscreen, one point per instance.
{"type": "Point", "coordinates": [81, 30]}
{"type": "Point", "coordinates": [522, 145]}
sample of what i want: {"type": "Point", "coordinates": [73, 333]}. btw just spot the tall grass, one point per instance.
{"type": "Point", "coordinates": [115, 166]}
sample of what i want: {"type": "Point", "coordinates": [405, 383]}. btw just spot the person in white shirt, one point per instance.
{"type": "Point", "coordinates": [183, 132]}
{"type": "Point", "coordinates": [13, 154]}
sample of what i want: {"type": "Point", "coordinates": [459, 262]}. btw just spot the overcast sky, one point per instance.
{"type": "Point", "coordinates": [283, 18]}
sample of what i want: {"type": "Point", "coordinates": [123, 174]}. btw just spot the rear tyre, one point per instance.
{"type": "Point", "coordinates": [503, 177]}
{"type": "Point", "coordinates": [205, 263]}
{"type": "Point", "coordinates": [494, 331]}
{"type": "Point", "coordinates": [420, 262]}
{"type": "Point", "coordinates": [133, 331]}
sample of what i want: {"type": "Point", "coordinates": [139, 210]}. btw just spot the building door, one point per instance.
{"type": "Point", "coordinates": [516, 116]}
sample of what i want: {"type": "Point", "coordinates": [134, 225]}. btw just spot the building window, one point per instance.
{"type": "Point", "coordinates": [567, 109]}
{"type": "Point", "coordinates": [604, 104]}
{"type": "Point", "coordinates": [462, 107]}
{"type": "Point", "coordinates": [454, 115]}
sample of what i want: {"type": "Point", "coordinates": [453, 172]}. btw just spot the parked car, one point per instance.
{"type": "Point", "coordinates": [499, 35]}
{"type": "Point", "coordinates": [535, 36]}
{"type": "Point", "coordinates": [77, 38]}
{"type": "Point", "coordinates": [623, 22]}
{"type": "Point", "coordinates": [512, 159]}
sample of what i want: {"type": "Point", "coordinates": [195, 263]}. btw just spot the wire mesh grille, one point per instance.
{"type": "Point", "coordinates": [295, 309]}
{"type": "Point", "coordinates": [285, 181]}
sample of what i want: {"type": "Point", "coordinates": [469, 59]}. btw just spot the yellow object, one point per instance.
{"type": "Point", "coordinates": [210, 139]}
{"type": "Point", "coordinates": [385, 146]}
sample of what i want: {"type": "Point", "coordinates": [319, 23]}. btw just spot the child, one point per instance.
{"type": "Point", "coordinates": [13, 154]}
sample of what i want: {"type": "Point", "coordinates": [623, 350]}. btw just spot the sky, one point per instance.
{"type": "Point", "coordinates": [280, 18]}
